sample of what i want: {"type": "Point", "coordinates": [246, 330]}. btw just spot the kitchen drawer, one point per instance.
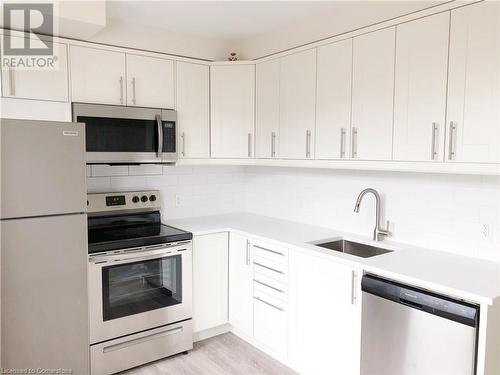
{"type": "Point", "coordinates": [271, 322]}
{"type": "Point", "coordinates": [274, 270]}
{"type": "Point", "coordinates": [271, 287]}
{"type": "Point", "coordinates": [120, 354]}
{"type": "Point", "coordinates": [274, 253]}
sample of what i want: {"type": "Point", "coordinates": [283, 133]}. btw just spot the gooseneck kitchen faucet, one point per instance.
{"type": "Point", "coordinates": [378, 231]}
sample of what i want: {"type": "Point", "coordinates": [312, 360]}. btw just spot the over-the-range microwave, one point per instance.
{"type": "Point", "coordinates": [127, 135]}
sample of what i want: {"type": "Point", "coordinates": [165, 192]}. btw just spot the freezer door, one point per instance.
{"type": "Point", "coordinates": [44, 293]}
{"type": "Point", "coordinates": [42, 168]}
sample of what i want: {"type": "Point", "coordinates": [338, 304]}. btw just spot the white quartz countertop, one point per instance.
{"type": "Point", "coordinates": [458, 276]}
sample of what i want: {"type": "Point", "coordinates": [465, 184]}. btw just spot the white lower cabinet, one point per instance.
{"type": "Point", "coordinates": [240, 284]}
{"type": "Point", "coordinates": [325, 316]}
{"type": "Point", "coordinates": [210, 281]}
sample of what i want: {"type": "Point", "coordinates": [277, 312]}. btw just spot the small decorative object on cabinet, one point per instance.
{"type": "Point", "coordinates": [232, 57]}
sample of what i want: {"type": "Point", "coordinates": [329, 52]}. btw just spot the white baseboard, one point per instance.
{"type": "Point", "coordinates": [211, 332]}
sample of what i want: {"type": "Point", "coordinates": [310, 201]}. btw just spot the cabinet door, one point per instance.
{"type": "Point", "coordinates": [240, 284]}
{"type": "Point", "coordinates": [42, 84]}
{"type": "Point", "coordinates": [193, 112]}
{"type": "Point", "coordinates": [97, 76]}
{"type": "Point", "coordinates": [372, 95]}
{"type": "Point", "coordinates": [333, 105]}
{"type": "Point", "coordinates": [297, 105]}
{"type": "Point", "coordinates": [474, 84]}
{"type": "Point", "coordinates": [267, 111]}
{"type": "Point", "coordinates": [150, 82]}
{"type": "Point", "coordinates": [232, 98]}
{"type": "Point", "coordinates": [210, 281]}
{"type": "Point", "coordinates": [325, 316]}
{"type": "Point", "coordinates": [420, 88]}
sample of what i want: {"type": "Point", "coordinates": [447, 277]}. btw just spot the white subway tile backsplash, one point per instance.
{"type": "Point", "coordinates": [145, 170]}
{"type": "Point", "coordinates": [109, 170]}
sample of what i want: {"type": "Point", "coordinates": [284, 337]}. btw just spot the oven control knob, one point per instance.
{"type": "Point", "coordinates": [152, 198]}
{"type": "Point", "coordinates": [135, 199]}
{"type": "Point", "coordinates": [144, 198]}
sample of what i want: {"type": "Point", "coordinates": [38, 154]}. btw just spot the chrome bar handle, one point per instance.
{"type": "Point", "coordinates": [269, 250]}
{"type": "Point", "coordinates": [435, 130]}
{"type": "Point", "coordinates": [248, 253]}
{"type": "Point", "coordinates": [249, 145]}
{"type": "Point", "coordinates": [354, 142]}
{"type": "Point", "coordinates": [133, 90]}
{"type": "Point", "coordinates": [183, 137]}
{"type": "Point", "coordinates": [342, 143]}
{"type": "Point", "coordinates": [273, 144]}
{"type": "Point", "coordinates": [269, 268]}
{"type": "Point", "coordinates": [159, 128]}
{"type": "Point", "coordinates": [451, 145]}
{"type": "Point", "coordinates": [12, 82]}
{"type": "Point", "coordinates": [269, 304]}
{"type": "Point", "coordinates": [121, 89]}
{"type": "Point", "coordinates": [308, 144]}
{"type": "Point", "coordinates": [269, 286]}
{"type": "Point", "coordinates": [354, 277]}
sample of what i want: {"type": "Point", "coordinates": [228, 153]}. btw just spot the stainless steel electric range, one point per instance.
{"type": "Point", "coordinates": [140, 282]}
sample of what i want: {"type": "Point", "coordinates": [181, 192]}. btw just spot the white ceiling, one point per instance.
{"type": "Point", "coordinates": [238, 19]}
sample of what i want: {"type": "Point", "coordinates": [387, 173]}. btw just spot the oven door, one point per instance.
{"type": "Point", "coordinates": [133, 292]}
{"type": "Point", "coordinates": [117, 134]}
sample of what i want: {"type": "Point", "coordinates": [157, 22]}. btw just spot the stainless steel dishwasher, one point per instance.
{"type": "Point", "coordinates": [406, 330]}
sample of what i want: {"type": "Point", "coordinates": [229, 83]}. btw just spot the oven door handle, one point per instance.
{"type": "Point", "coordinates": [159, 128]}
{"type": "Point", "coordinates": [160, 253]}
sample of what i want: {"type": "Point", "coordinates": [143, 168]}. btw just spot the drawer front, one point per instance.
{"type": "Point", "coordinates": [273, 270]}
{"type": "Point", "coordinates": [270, 287]}
{"type": "Point", "coordinates": [134, 350]}
{"type": "Point", "coordinates": [271, 322]}
{"type": "Point", "coordinates": [274, 253]}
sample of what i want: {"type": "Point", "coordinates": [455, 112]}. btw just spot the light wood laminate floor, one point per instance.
{"type": "Point", "coordinates": [221, 355]}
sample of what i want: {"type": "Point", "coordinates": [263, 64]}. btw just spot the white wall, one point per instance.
{"type": "Point", "coordinates": [202, 190]}
{"type": "Point", "coordinates": [443, 212]}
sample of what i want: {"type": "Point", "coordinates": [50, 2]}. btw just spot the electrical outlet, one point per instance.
{"type": "Point", "coordinates": [485, 231]}
{"type": "Point", "coordinates": [178, 200]}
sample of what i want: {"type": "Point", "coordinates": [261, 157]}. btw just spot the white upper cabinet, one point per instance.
{"type": "Point", "coordinates": [333, 100]}
{"type": "Point", "coordinates": [97, 76]}
{"type": "Point", "coordinates": [420, 88]}
{"type": "Point", "coordinates": [473, 116]}
{"type": "Point", "coordinates": [297, 105]}
{"type": "Point", "coordinates": [150, 82]}
{"type": "Point", "coordinates": [193, 111]}
{"type": "Point", "coordinates": [373, 95]}
{"type": "Point", "coordinates": [36, 83]}
{"type": "Point", "coordinates": [325, 316]}
{"type": "Point", "coordinates": [210, 281]}
{"type": "Point", "coordinates": [232, 97]}
{"type": "Point", "coordinates": [267, 109]}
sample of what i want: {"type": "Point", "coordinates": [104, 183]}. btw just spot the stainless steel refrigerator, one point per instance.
{"type": "Point", "coordinates": [44, 319]}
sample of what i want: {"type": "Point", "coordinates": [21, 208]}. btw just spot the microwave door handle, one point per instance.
{"type": "Point", "coordinates": [160, 136]}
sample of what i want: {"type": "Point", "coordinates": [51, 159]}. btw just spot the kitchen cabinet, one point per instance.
{"type": "Point", "coordinates": [473, 112]}
{"type": "Point", "coordinates": [372, 95]}
{"type": "Point", "coordinates": [27, 109]}
{"type": "Point", "coordinates": [325, 315]}
{"type": "Point", "coordinates": [240, 284]}
{"type": "Point", "coordinates": [150, 82]}
{"type": "Point", "coordinates": [97, 76]}
{"type": "Point", "coordinates": [297, 105]}
{"type": "Point", "coordinates": [420, 88]}
{"type": "Point", "coordinates": [232, 89]}
{"type": "Point", "coordinates": [333, 100]}
{"type": "Point", "coordinates": [49, 84]}
{"type": "Point", "coordinates": [267, 113]}
{"type": "Point", "coordinates": [210, 281]}
{"type": "Point", "coordinates": [193, 111]}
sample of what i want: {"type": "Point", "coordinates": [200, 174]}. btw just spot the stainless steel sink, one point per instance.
{"type": "Point", "coordinates": [353, 248]}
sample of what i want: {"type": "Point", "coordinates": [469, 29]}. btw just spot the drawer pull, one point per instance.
{"type": "Point", "coordinates": [140, 340]}
{"type": "Point", "coordinates": [269, 268]}
{"type": "Point", "coordinates": [268, 286]}
{"type": "Point", "coordinates": [269, 304]}
{"type": "Point", "coordinates": [271, 251]}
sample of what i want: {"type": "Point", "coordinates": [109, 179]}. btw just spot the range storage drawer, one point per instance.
{"type": "Point", "coordinates": [120, 354]}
